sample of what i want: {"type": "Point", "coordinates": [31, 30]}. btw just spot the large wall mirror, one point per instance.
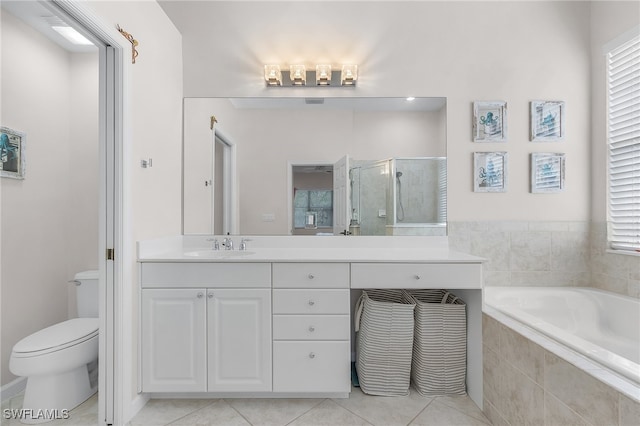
{"type": "Point", "coordinates": [314, 166]}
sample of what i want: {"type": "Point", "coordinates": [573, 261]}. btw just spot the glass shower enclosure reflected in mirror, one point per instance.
{"type": "Point", "coordinates": [399, 196]}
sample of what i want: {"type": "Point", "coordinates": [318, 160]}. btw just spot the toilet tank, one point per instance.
{"type": "Point", "coordinates": [87, 297]}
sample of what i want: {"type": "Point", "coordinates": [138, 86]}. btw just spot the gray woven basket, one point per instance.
{"type": "Point", "coordinates": [384, 323]}
{"type": "Point", "coordinates": [439, 362]}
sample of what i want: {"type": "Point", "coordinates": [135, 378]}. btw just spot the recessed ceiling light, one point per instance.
{"type": "Point", "coordinates": [72, 35]}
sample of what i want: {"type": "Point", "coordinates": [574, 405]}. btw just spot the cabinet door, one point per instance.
{"type": "Point", "coordinates": [174, 340]}
{"type": "Point", "coordinates": [239, 340]}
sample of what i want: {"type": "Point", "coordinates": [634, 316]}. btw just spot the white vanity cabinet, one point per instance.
{"type": "Point", "coordinates": [311, 327]}
{"type": "Point", "coordinates": [206, 327]}
{"type": "Point", "coordinates": [174, 340]}
{"type": "Point", "coordinates": [239, 340]}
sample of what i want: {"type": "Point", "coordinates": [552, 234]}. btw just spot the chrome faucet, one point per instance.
{"type": "Point", "coordinates": [227, 243]}
{"type": "Point", "coordinates": [243, 243]}
{"type": "Point", "coordinates": [216, 244]}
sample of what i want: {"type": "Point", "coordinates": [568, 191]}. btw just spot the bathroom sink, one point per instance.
{"type": "Point", "coordinates": [218, 254]}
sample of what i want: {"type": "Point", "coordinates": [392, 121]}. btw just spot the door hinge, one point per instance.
{"type": "Point", "coordinates": [110, 254]}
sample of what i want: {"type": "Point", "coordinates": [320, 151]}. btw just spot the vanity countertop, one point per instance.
{"type": "Point", "coordinates": [184, 250]}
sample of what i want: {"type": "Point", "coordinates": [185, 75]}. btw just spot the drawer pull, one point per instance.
{"type": "Point", "coordinates": [311, 302]}
{"type": "Point", "coordinates": [200, 295]}
{"type": "Point", "coordinates": [312, 355]}
{"type": "Point", "coordinates": [417, 277]}
{"type": "Point", "coordinates": [312, 329]}
{"type": "Point", "coordinates": [311, 276]}
{"type": "Point", "coordinates": [210, 295]}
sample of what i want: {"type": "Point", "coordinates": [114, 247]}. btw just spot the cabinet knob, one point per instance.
{"type": "Point", "coordinates": [200, 295]}
{"type": "Point", "coordinates": [210, 295]}
{"type": "Point", "coordinates": [311, 302]}
{"type": "Point", "coordinates": [417, 277]}
{"type": "Point", "coordinates": [312, 329]}
{"type": "Point", "coordinates": [312, 355]}
{"type": "Point", "coordinates": [311, 276]}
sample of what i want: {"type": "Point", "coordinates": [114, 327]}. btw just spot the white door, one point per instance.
{"type": "Point", "coordinates": [341, 203]}
{"type": "Point", "coordinates": [174, 340]}
{"type": "Point", "coordinates": [239, 339]}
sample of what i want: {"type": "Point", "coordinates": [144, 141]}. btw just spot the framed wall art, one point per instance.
{"type": "Point", "coordinates": [490, 171]}
{"type": "Point", "coordinates": [12, 159]}
{"type": "Point", "coordinates": [490, 121]}
{"type": "Point", "coordinates": [547, 121]}
{"type": "Point", "coordinates": [547, 172]}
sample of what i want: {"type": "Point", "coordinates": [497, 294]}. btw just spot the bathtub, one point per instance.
{"type": "Point", "coordinates": [602, 326]}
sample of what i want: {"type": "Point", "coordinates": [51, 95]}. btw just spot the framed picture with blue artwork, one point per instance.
{"type": "Point", "coordinates": [547, 172]}
{"type": "Point", "coordinates": [490, 171]}
{"type": "Point", "coordinates": [490, 121]}
{"type": "Point", "coordinates": [547, 121]}
{"type": "Point", "coordinates": [12, 160]}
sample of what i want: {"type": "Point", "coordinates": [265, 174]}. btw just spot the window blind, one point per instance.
{"type": "Point", "coordinates": [624, 145]}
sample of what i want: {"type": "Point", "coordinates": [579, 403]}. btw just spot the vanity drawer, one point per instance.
{"type": "Point", "coordinates": [167, 274]}
{"type": "Point", "coordinates": [311, 327]}
{"type": "Point", "coordinates": [316, 301]}
{"type": "Point", "coordinates": [316, 275]}
{"type": "Point", "coordinates": [311, 366]}
{"type": "Point", "coordinates": [416, 275]}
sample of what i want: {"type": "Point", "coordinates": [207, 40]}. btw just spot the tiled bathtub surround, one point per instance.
{"type": "Point", "coordinates": [525, 384]}
{"type": "Point", "coordinates": [547, 254]}
{"type": "Point", "coordinates": [609, 271]}
{"type": "Point", "coordinates": [527, 253]}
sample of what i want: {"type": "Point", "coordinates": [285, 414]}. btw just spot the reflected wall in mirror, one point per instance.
{"type": "Point", "coordinates": [270, 135]}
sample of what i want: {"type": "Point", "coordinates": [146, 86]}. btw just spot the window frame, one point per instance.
{"type": "Point", "coordinates": [623, 143]}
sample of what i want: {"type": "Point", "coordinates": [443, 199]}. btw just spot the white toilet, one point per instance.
{"type": "Point", "coordinates": [61, 361]}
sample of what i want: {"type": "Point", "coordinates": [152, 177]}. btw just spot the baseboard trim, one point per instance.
{"type": "Point", "coordinates": [13, 388]}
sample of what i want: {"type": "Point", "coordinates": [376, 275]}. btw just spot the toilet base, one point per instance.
{"type": "Point", "coordinates": [51, 397]}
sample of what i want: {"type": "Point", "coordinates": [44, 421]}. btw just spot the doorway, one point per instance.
{"type": "Point", "coordinates": [311, 198]}
{"type": "Point", "coordinates": [101, 217]}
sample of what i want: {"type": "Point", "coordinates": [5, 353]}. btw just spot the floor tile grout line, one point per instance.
{"type": "Point", "coordinates": [191, 412]}
{"type": "Point", "coordinates": [316, 405]}
{"type": "Point", "coordinates": [236, 410]}
{"type": "Point", "coordinates": [483, 420]}
{"type": "Point", "coordinates": [421, 411]}
{"type": "Point", "coordinates": [360, 417]}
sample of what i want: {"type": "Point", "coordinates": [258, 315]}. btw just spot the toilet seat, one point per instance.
{"type": "Point", "coordinates": [57, 337]}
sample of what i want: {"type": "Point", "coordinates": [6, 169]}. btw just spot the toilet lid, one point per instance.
{"type": "Point", "coordinates": [59, 335]}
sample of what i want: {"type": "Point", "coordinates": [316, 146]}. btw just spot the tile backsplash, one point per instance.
{"type": "Point", "coordinates": [547, 253]}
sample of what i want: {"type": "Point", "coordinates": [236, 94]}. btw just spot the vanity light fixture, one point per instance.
{"type": "Point", "coordinates": [298, 75]}
{"type": "Point", "coordinates": [323, 75]}
{"type": "Point", "coordinates": [349, 75]}
{"type": "Point", "coordinates": [273, 75]}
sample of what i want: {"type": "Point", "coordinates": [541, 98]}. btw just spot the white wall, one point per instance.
{"type": "Point", "coordinates": [466, 51]}
{"type": "Point", "coordinates": [49, 219]}
{"type": "Point", "coordinates": [154, 130]}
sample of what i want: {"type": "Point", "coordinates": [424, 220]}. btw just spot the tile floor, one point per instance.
{"type": "Point", "coordinates": [358, 409]}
